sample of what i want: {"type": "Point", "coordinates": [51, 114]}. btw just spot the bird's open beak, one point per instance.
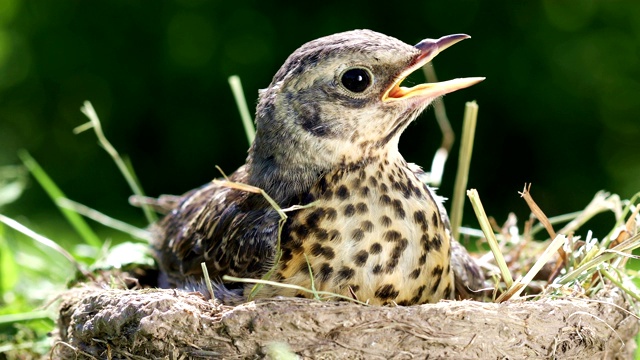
{"type": "Point", "coordinates": [429, 48]}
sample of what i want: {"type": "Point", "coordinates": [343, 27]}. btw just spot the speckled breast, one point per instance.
{"type": "Point", "coordinates": [375, 233]}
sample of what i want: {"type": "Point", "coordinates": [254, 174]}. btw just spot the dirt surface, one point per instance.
{"type": "Point", "coordinates": [169, 324]}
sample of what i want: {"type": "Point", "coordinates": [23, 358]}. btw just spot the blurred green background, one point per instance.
{"type": "Point", "coordinates": [559, 107]}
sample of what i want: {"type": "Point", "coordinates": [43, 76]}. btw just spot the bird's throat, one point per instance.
{"type": "Point", "coordinates": [283, 182]}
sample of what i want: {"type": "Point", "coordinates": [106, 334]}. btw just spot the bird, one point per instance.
{"type": "Point", "coordinates": [361, 221]}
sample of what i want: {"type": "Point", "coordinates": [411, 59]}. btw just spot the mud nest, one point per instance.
{"type": "Point", "coordinates": [170, 324]}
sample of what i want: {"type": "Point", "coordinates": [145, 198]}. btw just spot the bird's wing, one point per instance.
{"type": "Point", "coordinates": [233, 231]}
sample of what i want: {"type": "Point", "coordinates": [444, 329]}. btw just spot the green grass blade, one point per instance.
{"type": "Point", "coordinates": [54, 192]}
{"type": "Point", "coordinates": [490, 236]}
{"type": "Point", "coordinates": [462, 176]}
{"type": "Point", "coordinates": [88, 110]}
{"type": "Point", "coordinates": [8, 267]}
{"type": "Point", "coordinates": [207, 280]}
{"type": "Point", "coordinates": [22, 317]}
{"type": "Point", "coordinates": [148, 211]}
{"type": "Point", "coordinates": [43, 240]}
{"type": "Point", "coordinates": [238, 94]}
{"type": "Point", "coordinates": [105, 219]}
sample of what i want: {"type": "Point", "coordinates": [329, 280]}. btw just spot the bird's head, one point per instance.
{"type": "Point", "coordinates": [338, 100]}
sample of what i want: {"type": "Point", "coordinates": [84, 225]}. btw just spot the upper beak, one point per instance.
{"type": "Point", "coordinates": [429, 48]}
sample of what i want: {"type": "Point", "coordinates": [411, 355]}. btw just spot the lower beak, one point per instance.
{"type": "Point", "coordinates": [429, 48]}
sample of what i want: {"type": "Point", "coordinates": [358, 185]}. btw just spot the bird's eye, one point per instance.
{"type": "Point", "coordinates": [356, 80]}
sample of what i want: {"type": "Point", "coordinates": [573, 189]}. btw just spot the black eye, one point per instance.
{"type": "Point", "coordinates": [356, 80]}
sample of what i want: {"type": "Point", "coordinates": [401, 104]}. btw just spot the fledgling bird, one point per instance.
{"type": "Point", "coordinates": [327, 132]}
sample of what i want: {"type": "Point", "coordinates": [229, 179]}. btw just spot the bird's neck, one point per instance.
{"type": "Point", "coordinates": [285, 164]}
{"type": "Point", "coordinates": [287, 177]}
{"type": "Point", "coordinates": [281, 175]}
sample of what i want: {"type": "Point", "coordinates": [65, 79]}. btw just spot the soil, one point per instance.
{"type": "Point", "coordinates": [172, 324]}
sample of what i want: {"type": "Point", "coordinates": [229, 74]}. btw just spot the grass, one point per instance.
{"type": "Point", "coordinates": [464, 162]}
{"type": "Point", "coordinates": [54, 192]}
{"type": "Point", "coordinates": [33, 268]}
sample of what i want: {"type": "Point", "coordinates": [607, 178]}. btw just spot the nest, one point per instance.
{"type": "Point", "coordinates": [586, 313]}
{"type": "Point", "coordinates": [95, 323]}
{"type": "Point", "coordinates": [582, 308]}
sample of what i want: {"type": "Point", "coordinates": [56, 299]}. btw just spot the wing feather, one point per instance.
{"type": "Point", "coordinates": [233, 231]}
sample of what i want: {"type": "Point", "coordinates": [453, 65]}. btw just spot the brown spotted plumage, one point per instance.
{"type": "Point", "coordinates": [327, 136]}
